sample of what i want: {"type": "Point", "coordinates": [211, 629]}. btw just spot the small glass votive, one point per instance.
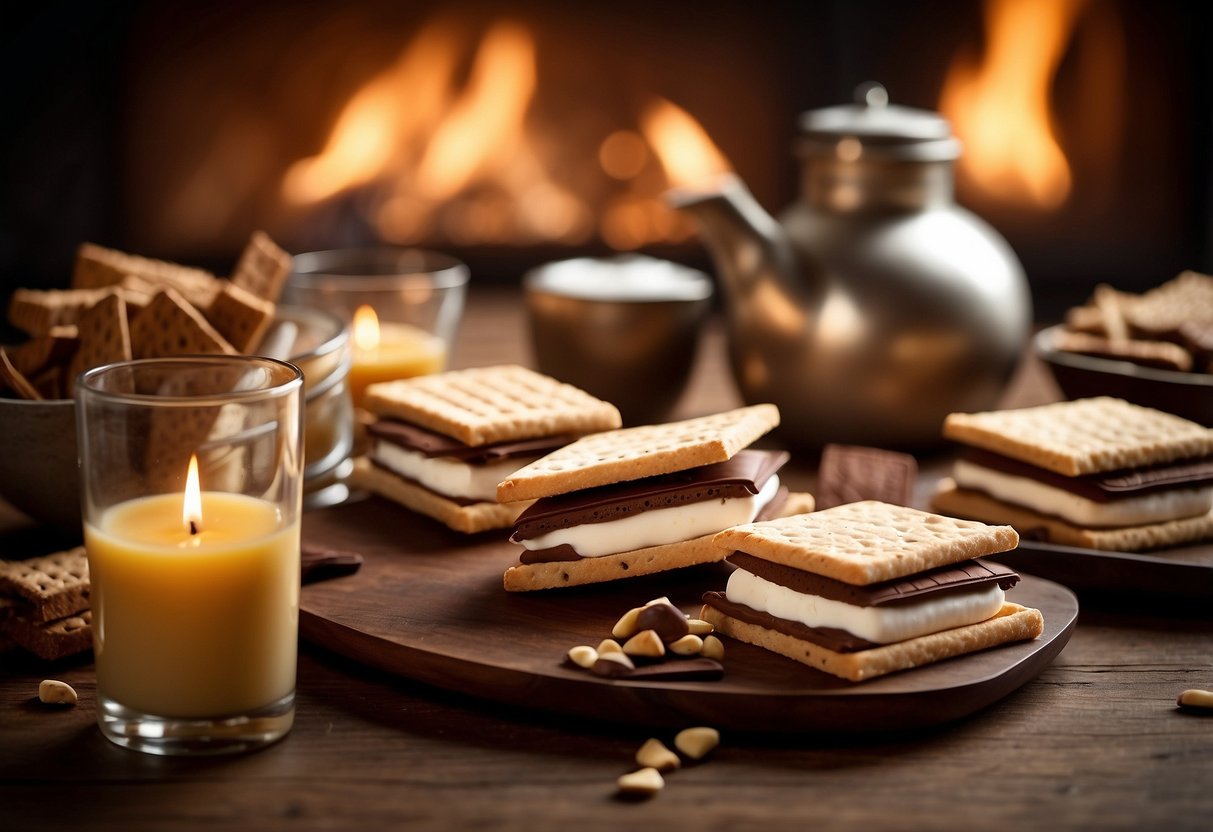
{"type": "Point", "coordinates": [191, 480]}
{"type": "Point", "coordinates": [403, 306]}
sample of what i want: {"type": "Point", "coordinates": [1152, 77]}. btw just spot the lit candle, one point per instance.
{"type": "Point", "coordinates": [387, 351]}
{"type": "Point", "coordinates": [195, 602]}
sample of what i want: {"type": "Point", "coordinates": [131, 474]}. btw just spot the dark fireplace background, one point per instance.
{"type": "Point", "coordinates": [90, 87]}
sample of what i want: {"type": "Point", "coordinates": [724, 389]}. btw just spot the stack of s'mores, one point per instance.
{"type": "Point", "coordinates": [642, 500]}
{"type": "Point", "coordinates": [1095, 473]}
{"type": "Point", "coordinates": [868, 588]}
{"type": "Point", "coordinates": [441, 443]}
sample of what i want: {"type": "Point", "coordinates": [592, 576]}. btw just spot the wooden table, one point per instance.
{"type": "Point", "coordinates": [1096, 742]}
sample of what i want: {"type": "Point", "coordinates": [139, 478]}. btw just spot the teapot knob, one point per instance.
{"type": "Point", "coordinates": [872, 94]}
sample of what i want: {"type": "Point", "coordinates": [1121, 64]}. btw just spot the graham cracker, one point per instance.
{"type": "Point", "coordinates": [36, 311]}
{"type": "Point", "coordinates": [635, 453]}
{"type": "Point", "coordinates": [56, 639]}
{"type": "Point", "coordinates": [1012, 623]}
{"type": "Point", "coordinates": [104, 338]}
{"type": "Point", "coordinates": [1162, 310]}
{"type": "Point", "coordinates": [1160, 354]}
{"type": "Point", "coordinates": [16, 381]}
{"type": "Point", "coordinates": [1110, 304]}
{"type": "Point", "coordinates": [263, 268]}
{"type": "Point", "coordinates": [47, 587]}
{"type": "Point", "coordinates": [240, 317]}
{"type": "Point", "coordinates": [171, 326]}
{"type": "Point", "coordinates": [468, 519]}
{"type": "Point", "coordinates": [97, 266]}
{"type": "Point", "coordinates": [492, 404]}
{"type": "Point", "coordinates": [525, 577]}
{"type": "Point", "coordinates": [54, 347]}
{"type": "Point", "coordinates": [1084, 436]}
{"type": "Point", "coordinates": [964, 502]}
{"type": "Point", "coordinates": [866, 542]}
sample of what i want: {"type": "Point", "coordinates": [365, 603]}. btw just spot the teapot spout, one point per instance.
{"type": "Point", "coordinates": [748, 245]}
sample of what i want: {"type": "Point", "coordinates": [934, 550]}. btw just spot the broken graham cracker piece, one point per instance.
{"type": "Point", "coordinates": [104, 338]}
{"type": "Point", "coordinates": [240, 317]}
{"type": "Point", "coordinates": [963, 502]}
{"type": "Point", "coordinates": [52, 640]}
{"type": "Point", "coordinates": [14, 380]}
{"type": "Point", "coordinates": [263, 268]}
{"type": "Point", "coordinates": [1162, 310]}
{"type": "Point", "coordinates": [97, 266]}
{"type": "Point", "coordinates": [1162, 355]}
{"type": "Point", "coordinates": [491, 404]}
{"type": "Point", "coordinates": [1011, 623]}
{"type": "Point", "coordinates": [635, 453]}
{"type": "Point", "coordinates": [36, 311]}
{"type": "Point", "coordinates": [170, 326]}
{"type": "Point", "coordinates": [51, 348]}
{"type": "Point", "coordinates": [1084, 436]}
{"type": "Point", "coordinates": [47, 587]}
{"type": "Point", "coordinates": [469, 519]}
{"type": "Point", "coordinates": [867, 542]}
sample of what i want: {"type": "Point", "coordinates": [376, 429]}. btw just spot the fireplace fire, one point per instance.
{"type": "Point", "coordinates": [512, 134]}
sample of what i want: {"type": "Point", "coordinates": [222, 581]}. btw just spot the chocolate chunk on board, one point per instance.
{"type": "Point", "coordinates": [432, 444]}
{"type": "Point", "coordinates": [850, 473]}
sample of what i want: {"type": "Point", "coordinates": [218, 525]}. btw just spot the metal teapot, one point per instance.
{"type": "Point", "coordinates": [876, 305]}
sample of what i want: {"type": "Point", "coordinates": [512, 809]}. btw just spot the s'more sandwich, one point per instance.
{"type": "Point", "coordinates": [1096, 473]}
{"type": "Point", "coordinates": [441, 443]}
{"type": "Point", "coordinates": [641, 500]}
{"type": "Point", "coordinates": [868, 588]}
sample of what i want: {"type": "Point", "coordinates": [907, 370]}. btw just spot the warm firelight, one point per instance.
{"type": "Point", "coordinates": [366, 329]}
{"type": "Point", "coordinates": [1001, 109]}
{"type": "Point", "coordinates": [433, 152]}
{"type": "Point", "coordinates": [191, 507]}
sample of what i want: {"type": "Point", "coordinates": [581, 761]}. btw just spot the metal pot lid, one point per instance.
{"type": "Point", "coordinates": [874, 128]}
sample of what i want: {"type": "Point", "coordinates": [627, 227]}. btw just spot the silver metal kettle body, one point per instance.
{"type": "Point", "coordinates": [875, 305]}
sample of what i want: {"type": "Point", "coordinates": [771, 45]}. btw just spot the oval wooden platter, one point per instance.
{"type": "Point", "coordinates": [428, 605]}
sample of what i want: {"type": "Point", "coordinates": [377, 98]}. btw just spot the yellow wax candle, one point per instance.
{"type": "Point", "coordinates": [388, 351]}
{"type": "Point", "coordinates": [194, 625]}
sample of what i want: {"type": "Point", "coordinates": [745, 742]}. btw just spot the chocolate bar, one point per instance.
{"type": "Point", "coordinates": [431, 444]}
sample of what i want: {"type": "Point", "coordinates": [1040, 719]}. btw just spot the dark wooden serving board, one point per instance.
{"type": "Point", "coordinates": [428, 604]}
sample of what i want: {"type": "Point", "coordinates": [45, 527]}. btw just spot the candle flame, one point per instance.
{"type": "Point", "coordinates": [191, 512]}
{"type": "Point", "coordinates": [366, 328]}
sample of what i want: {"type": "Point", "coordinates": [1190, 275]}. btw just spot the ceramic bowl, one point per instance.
{"type": "Point", "coordinates": [1081, 376]}
{"type": "Point", "coordinates": [38, 472]}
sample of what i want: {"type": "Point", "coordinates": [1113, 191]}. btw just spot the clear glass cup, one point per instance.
{"type": "Point", "coordinates": [416, 297]}
{"type": "Point", "coordinates": [191, 481]}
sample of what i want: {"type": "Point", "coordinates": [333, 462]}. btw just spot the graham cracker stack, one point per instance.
{"type": "Point", "coordinates": [1097, 473]}
{"type": "Point", "coordinates": [641, 500]}
{"type": "Point", "coordinates": [441, 443]}
{"type": "Point", "coordinates": [865, 589]}
{"type": "Point", "coordinates": [44, 603]}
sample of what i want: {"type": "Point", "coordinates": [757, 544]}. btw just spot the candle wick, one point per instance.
{"type": "Point", "coordinates": [193, 528]}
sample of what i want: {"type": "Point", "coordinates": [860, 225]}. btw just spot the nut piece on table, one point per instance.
{"type": "Point", "coordinates": [713, 648]}
{"type": "Point", "coordinates": [645, 643]}
{"type": "Point", "coordinates": [698, 627]}
{"type": "Point", "coordinates": [583, 655]}
{"type": "Point", "coordinates": [1195, 698]}
{"type": "Point", "coordinates": [654, 754]}
{"type": "Point", "coordinates": [626, 625]}
{"type": "Point", "coordinates": [697, 743]}
{"type": "Point", "coordinates": [609, 645]}
{"type": "Point", "coordinates": [688, 645]}
{"type": "Point", "coordinates": [645, 782]}
{"type": "Point", "coordinates": [54, 692]}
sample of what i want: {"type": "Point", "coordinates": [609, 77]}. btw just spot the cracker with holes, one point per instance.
{"type": "Point", "coordinates": [642, 500]}
{"type": "Point", "coordinates": [48, 587]}
{"type": "Point", "coordinates": [1097, 473]}
{"type": "Point", "coordinates": [441, 443]}
{"type": "Point", "coordinates": [104, 337]}
{"type": "Point", "coordinates": [868, 588]}
{"type": "Point", "coordinates": [263, 268]}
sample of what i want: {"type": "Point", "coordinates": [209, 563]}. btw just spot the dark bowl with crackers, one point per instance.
{"type": "Point", "coordinates": [1080, 376]}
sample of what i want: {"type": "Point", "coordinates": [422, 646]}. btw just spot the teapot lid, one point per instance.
{"type": "Point", "coordinates": [873, 127]}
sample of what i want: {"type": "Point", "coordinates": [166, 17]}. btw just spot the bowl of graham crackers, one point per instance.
{"type": "Point", "coordinates": [118, 307]}
{"type": "Point", "coordinates": [1153, 349]}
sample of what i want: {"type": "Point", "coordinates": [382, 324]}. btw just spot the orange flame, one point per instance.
{"type": "Point", "coordinates": [1001, 110]}
{"type": "Point", "coordinates": [462, 160]}
{"type": "Point", "coordinates": [191, 506]}
{"type": "Point", "coordinates": [366, 328]}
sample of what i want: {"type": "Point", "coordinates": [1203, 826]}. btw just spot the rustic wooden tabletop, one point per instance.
{"type": "Point", "coordinates": [1095, 742]}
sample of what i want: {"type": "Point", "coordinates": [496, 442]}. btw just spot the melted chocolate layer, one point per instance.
{"type": "Point", "coordinates": [964, 575]}
{"type": "Point", "coordinates": [566, 552]}
{"type": "Point", "coordinates": [741, 476]}
{"type": "Point", "coordinates": [431, 444]}
{"type": "Point", "coordinates": [1108, 486]}
{"type": "Point", "coordinates": [840, 641]}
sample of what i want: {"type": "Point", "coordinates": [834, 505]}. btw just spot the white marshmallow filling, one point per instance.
{"type": "Point", "coordinates": [446, 475]}
{"type": "Point", "coordinates": [1158, 507]}
{"type": "Point", "coordinates": [878, 624]}
{"type": "Point", "coordinates": [658, 526]}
